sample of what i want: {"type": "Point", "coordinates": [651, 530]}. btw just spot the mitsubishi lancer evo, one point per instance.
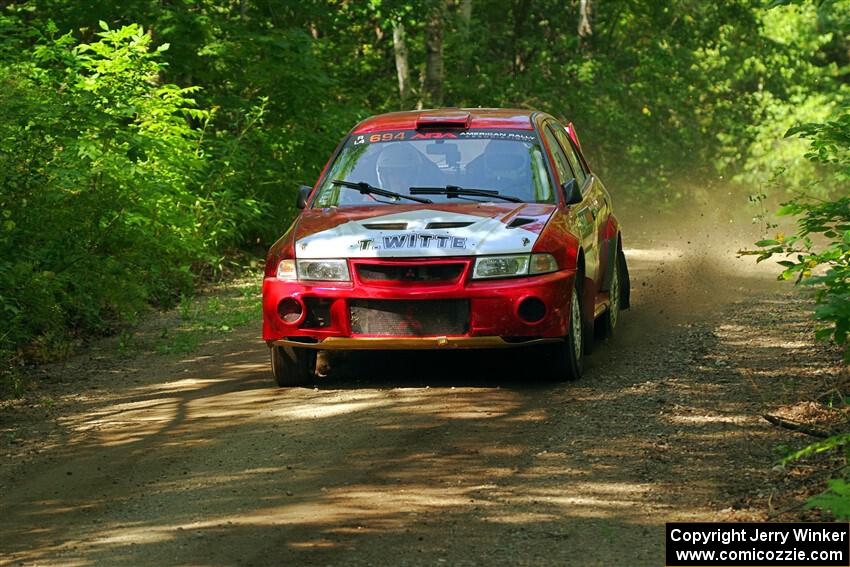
{"type": "Point", "coordinates": [448, 229]}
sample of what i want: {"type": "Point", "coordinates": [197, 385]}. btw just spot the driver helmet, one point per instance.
{"type": "Point", "coordinates": [397, 166]}
{"type": "Point", "coordinates": [507, 161]}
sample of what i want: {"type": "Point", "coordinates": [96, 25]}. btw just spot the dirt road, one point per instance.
{"type": "Point", "coordinates": [415, 459]}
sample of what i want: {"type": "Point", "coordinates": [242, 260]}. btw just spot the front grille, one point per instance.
{"type": "Point", "coordinates": [409, 318]}
{"type": "Point", "coordinates": [410, 273]}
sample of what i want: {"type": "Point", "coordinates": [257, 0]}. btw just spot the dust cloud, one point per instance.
{"type": "Point", "coordinates": [684, 259]}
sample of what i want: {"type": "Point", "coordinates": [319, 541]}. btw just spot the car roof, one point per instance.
{"type": "Point", "coordinates": [507, 118]}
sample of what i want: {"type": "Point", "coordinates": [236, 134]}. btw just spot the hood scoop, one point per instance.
{"type": "Point", "coordinates": [385, 225]}
{"type": "Point", "coordinates": [520, 221]}
{"type": "Point", "coordinates": [439, 225]}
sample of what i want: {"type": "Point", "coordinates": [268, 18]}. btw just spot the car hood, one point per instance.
{"type": "Point", "coordinates": [469, 229]}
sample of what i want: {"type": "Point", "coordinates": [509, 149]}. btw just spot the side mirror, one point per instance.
{"type": "Point", "coordinates": [302, 196]}
{"type": "Point", "coordinates": [572, 194]}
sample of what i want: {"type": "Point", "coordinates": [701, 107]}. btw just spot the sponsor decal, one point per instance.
{"type": "Point", "coordinates": [378, 137]}
{"type": "Point", "coordinates": [400, 135]}
{"type": "Point", "coordinates": [414, 240]}
{"type": "Point", "coordinates": [433, 135]}
{"type": "Point", "coordinates": [520, 136]}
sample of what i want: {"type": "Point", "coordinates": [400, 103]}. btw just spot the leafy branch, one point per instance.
{"type": "Point", "coordinates": [817, 257]}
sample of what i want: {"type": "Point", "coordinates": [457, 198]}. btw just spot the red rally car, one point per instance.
{"type": "Point", "coordinates": [451, 228]}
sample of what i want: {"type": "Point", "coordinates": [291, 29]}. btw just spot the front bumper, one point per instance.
{"type": "Point", "coordinates": [414, 343]}
{"type": "Point", "coordinates": [495, 319]}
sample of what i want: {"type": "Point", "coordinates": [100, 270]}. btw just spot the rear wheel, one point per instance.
{"type": "Point", "coordinates": [615, 291]}
{"type": "Point", "coordinates": [566, 357]}
{"type": "Point", "coordinates": [293, 366]}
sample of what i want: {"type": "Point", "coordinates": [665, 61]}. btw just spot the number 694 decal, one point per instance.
{"type": "Point", "coordinates": [394, 136]}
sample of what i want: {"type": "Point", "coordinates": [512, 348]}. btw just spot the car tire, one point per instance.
{"type": "Point", "coordinates": [567, 356]}
{"type": "Point", "coordinates": [608, 321]}
{"type": "Point", "coordinates": [587, 323]}
{"type": "Point", "coordinates": [293, 366]}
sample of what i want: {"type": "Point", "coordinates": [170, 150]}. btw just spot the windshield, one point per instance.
{"type": "Point", "coordinates": [508, 161]}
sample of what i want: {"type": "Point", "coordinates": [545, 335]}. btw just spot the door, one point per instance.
{"type": "Point", "coordinates": [596, 195]}
{"type": "Point", "coordinates": [584, 215]}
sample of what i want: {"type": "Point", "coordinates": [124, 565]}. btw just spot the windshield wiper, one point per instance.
{"type": "Point", "coordinates": [367, 189]}
{"type": "Point", "coordinates": [451, 191]}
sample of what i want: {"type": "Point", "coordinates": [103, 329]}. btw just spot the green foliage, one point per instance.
{"type": "Point", "coordinates": [830, 142]}
{"type": "Point", "coordinates": [822, 264]}
{"type": "Point", "coordinates": [836, 499]}
{"type": "Point", "coordinates": [671, 99]}
{"type": "Point", "coordinates": [830, 444]}
{"type": "Point", "coordinates": [106, 194]}
{"type": "Point", "coordinates": [819, 257]}
{"type": "Point", "coordinates": [13, 384]}
{"type": "Point", "coordinates": [204, 318]}
{"type": "Point", "coordinates": [115, 164]}
{"type": "Point", "coordinates": [804, 85]}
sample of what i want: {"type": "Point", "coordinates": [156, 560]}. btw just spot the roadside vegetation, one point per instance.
{"type": "Point", "coordinates": [200, 317]}
{"type": "Point", "coordinates": [145, 146]}
{"type": "Point", "coordinates": [817, 258]}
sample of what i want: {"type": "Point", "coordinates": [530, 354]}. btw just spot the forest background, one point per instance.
{"type": "Point", "coordinates": [147, 145]}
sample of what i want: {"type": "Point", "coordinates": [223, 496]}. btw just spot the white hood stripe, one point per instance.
{"type": "Point", "coordinates": [482, 236]}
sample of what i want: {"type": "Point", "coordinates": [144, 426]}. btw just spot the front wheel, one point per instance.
{"type": "Point", "coordinates": [293, 366]}
{"type": "Point", "coordinates": [566, 363]}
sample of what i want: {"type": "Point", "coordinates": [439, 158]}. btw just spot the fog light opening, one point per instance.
{"type": "Point", "coordinates": [532, 310]}
{"type": "Point", "coordinates": [290, 310]}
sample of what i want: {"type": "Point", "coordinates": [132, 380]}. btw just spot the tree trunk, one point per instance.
{"type": "Point", "coordinates": [465, 49]}
{"type": "Point", "coordinates": [584, 9]}
{"type": "Point", "coordinates": [520, 10]}
{"type": "Point", "coordinates": [465, 14]}
{"type": "Point", "coordinates": [433, 86]}
{"type": "Point", "coordinates": [401, 63]}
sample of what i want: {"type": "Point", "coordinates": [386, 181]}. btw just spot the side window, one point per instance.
{"type": "Point", "coordinates": [566, 143]}
{"type": "Point", "coordinates": [562, 164]}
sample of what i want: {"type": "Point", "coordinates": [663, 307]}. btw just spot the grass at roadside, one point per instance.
{"type": "Point", "coordinates": [214, 311]}
{"type": "Point", "coordinates": [217, 311]}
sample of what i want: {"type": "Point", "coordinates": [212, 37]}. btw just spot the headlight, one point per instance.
{"type": "Point", "coordinates": [500, 266]}
{"type": "Point", "coordinates": [323, 270]}
{"type": "Point", "coordinates": [542, 264]}
{"type": "Point", "coordinates": [286, 270]}
{"type": "Point", "coordinates": [513, 265]}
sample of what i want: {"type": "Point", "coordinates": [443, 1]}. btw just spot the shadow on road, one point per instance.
{"type": "Point", "coordinates": [422, 458]}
